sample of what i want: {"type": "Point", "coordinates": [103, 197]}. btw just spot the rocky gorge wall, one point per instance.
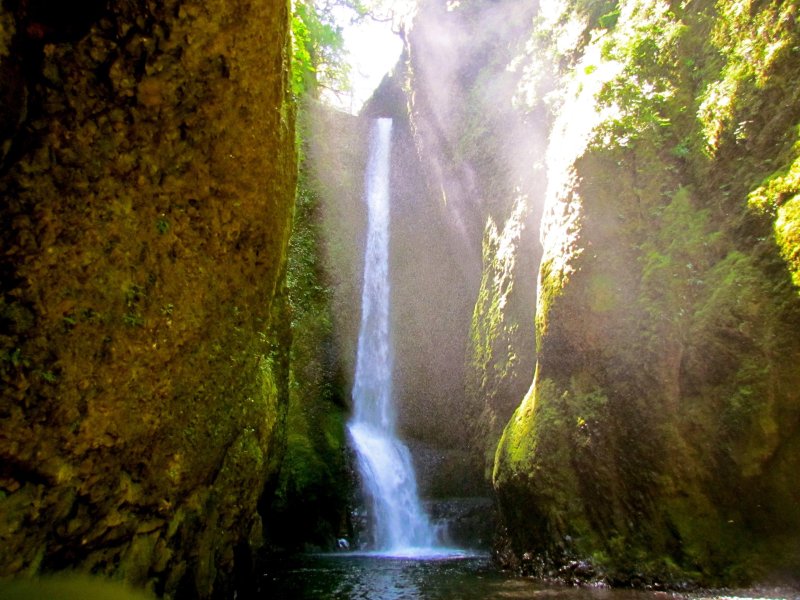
{"type": "Point", "coordinates": [595, 197]}
{"type": "Point", "coordinates": [314, 499]}
{"type": "Point", "coordinates": [657, 145]}
{"type": "Point", "coordinates": [432, 282]}
{"type": "Point", "coordinates": [448, 192]}
{"type": "Point", "coordinates": [147, 180]}
{"type": "Point", "coordinates": [659, 437]}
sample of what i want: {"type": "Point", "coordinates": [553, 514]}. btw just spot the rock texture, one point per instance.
{"type": "Point", "coordinates": [432, 280]}
{"type": "Point", "coordinates": [147, 181]}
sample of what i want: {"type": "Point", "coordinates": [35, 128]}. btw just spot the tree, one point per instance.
{"type": "Point", "coordinates": [320, 58]}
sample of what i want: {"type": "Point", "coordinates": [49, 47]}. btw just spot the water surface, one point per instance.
{"type": "Point", "coordinates": [464, 577]}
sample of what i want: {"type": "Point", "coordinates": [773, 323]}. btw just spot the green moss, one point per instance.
{"type": "Point", "coordinates": [749, 58]}
{"type": "Point", "coordinates": [778, 188]}
{"type": "Point", "coordinates": [499, 351]}
{"type": "Point", "coordinates": [545, 461]}
{"type": "Point", "coordinates": [779, 197]}
{"type": "Point", "coordinates": [674, 263]}
{"type": "Point", "coordinates": [787, 234]}
{"type": "Point", "coordinates": [546, 431]}
{"type": "Point", "coordinates": [551, 285]}
{"type": "Point", "coordinates": [517, 444]}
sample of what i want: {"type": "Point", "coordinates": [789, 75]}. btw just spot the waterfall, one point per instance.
{"type": "Point", "coordinates": [384, 462]}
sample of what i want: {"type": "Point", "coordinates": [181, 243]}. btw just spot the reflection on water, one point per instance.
{"type": "Point", "coordinates": [468, 577]}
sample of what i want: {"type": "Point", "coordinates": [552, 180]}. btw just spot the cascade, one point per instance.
{"type": "Point", "coordinates": [400, 526]}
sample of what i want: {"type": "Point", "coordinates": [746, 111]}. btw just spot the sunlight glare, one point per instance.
{"type": "Point", "coordinates": [373, 47]}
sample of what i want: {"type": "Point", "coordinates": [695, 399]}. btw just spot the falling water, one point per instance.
{"type": "Point", "coordinates": [400, 526]}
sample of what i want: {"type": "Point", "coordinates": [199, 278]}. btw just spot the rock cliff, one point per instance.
{"type": "Point", "coordinates": [659, 435]}
{"type": "Point", "coordinates": [147, 181]}
{"type": "Point", "coordinates": [653, 149]}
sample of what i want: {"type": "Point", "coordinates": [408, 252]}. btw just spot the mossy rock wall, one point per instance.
{"type": "Point", "coordinates": [311, 507]}
{"type": "Point", "coordinates": [659, 440]}
{"type": "Point", "coordinates": [147, 185]}
{"type": "Point", "coordinates": [429, 302]}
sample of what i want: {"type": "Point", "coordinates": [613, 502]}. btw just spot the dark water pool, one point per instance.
{"type": "Point", "coordinates": [354, 577]}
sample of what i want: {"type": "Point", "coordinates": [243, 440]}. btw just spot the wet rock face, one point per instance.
{"type": "Point", "coordinates": [147, 180]}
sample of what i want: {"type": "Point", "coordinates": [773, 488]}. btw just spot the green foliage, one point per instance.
{"type": "Point", "coordinates": [778, 196]}
{"type": "Point", "coordinates": [682, 149]}
{"type": "Point", "coordinates": [639, 97]}
{"type": "Point", "coordinates": [778, 188]}
{"type": "Point", "coordinates": [319, 59]}
{"type": "Point", "coordinates": [48, 376]}
{"type": "Point", "coordinates": [132, 319]}
{"type": "Point", "coordinates": [609, 20]}
{"type": "Point", "coordinates": [749, 57]}
{"type": "Point", "coordinates": [602, 13]}
{"type": "Point", "coordinates": [162, 225]}
{"type": "Point", "coordinates": [14, 357]}
{"type": "Point", "coordinates": [787, 235]}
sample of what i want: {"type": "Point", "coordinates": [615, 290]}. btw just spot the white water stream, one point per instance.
{"type": "Point", "coordinates": [399, 524]}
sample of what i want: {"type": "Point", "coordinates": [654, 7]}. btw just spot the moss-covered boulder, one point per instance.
{"type": "Point", "coordinates": [147, 183]}
{"type": "Point", "coordinates": [660, 438]}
